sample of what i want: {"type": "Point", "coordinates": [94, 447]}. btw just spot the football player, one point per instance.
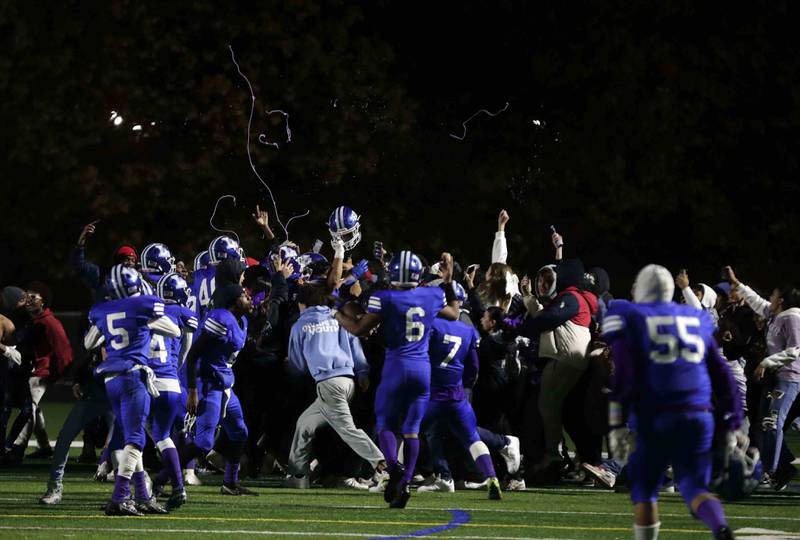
{"type": "Point", "coordinates": [222, 336]}
{"type": "Point", "coordinates": [157, 260]}
{"type": "Point", "coordinates": [166, 356]}
{"type": "Point", "coordinates": [407, 313]}
{"type": "Point", "coordinates": [667, 365]}
{"type": "Point", "coordinates": [124, 324]}
{"type": "Point", "coordinates": [454, 358]}
{"type": "Point", "coordinates": [204, 284]}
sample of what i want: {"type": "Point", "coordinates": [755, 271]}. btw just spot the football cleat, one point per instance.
{"type": "Point", "coordinates": [395, 475]}
{"type": "Point", "coordinates": [173, 288]}
{"type": "Point", "coordinates": [176, 500]}
{"type": "Point", "coordinates": [236, 490]}
{"type": "Point", "coordinates": [511, 455]}
{"type": "Point", "coordinates": [443, 485]}
{"type": "Point", "coordinates": [150, 506]}
{"type": "Point", "coordinates": [123, 282]}
{"type": "Point", "coordinates": [125, 508]}
{"type": "Point", "coordinates": [345, 226]}
{"type": "Point", "coordinates": [224, 247]}
{"type": "Point", "coordinates": [53, 494]}
{"type": "Point", "coordinates": [494, 490]}
{"type": "Point", "coordinates": [723, 533]}
{"type": "Point", "coordinates": [405, 269]}
{"type": "Point", "coordinates": [403, 495]}
{"type": "Point", "coordinates": [157, 259]}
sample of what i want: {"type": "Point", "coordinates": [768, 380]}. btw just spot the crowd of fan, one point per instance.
{"type": "Point", "coordinates": [543, 369]}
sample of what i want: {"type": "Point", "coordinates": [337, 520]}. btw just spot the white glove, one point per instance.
{"type": "Point", "coordinates": [338, 248]}
{"type": "Point", "coordinates": [620, 442]}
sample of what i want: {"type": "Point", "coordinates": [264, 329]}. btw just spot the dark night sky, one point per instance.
{"type": "Point", "coordinates": [668, 132]}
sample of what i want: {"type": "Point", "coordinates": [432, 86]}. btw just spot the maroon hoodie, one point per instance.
{"type": "Point", "coordinates": [52, 350]}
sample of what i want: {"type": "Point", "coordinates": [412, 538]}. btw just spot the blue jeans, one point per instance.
{"type": "Point", "coordinates": [774, 408]}
{"type": "Point", "coordinates": [82, 412]}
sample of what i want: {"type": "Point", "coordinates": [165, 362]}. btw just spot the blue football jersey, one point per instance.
{"type": "Point", "coordinates": [407, 317]}
{"type": "Point", "coordinates": [203, 286]}
{"type": "Point", "coordinates": [228, 338]}
{"type": "Point", "coordinates": [668, 344]}
{"type": "Point", "coordinates": [164, 351]}
{"type": "Point", "coordinates": [451, 342]}
{"type": "Point", "coordinates": [123, 324]}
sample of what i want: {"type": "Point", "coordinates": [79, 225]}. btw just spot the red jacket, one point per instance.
{"type": "Point", "coordinates": [51, 348]}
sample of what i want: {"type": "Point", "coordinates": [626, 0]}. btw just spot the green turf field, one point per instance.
{"type": "Point", "coordinates": [328, 513]}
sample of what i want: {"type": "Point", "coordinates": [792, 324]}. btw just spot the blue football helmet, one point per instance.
{"type": "Point", "coordinates": [742, 473]}
{"type": "Point", "coordinates": [288, 253]}
{"type": "Point", "coordinates": [314, 266]}
{"type": "Point", "coordinates": [224, 247]}
{"type": "Point", "coordinates": [172, 287]}
{"type": "Point", "coordinates": [201, 261]}
{"type": "Point", "coordinates": [123, 282]}
{"type": "Point", "coordinates": [344, 225]}
{"type": "Point", "coordinates": [405, 269]}
{"type": "Point", "coordinates": [158, 259]}
{"type": "Point", "coordinates": [147, 288]}
{"type": "Point", "coordinates": [461, 293]}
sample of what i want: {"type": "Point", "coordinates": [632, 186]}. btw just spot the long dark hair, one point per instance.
{"type": "Point", "coordinates": [494, 289]}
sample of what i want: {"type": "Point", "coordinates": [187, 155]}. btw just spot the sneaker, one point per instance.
{"type": "Point", "coordinates": [150, 506]}
{"type": "Point", "coordinates": [236, 490]}
{"type": "Point", "coordinates": [464, 484]}
{"type": "Point", "coordinates": [494, 490]}
{"type": "Point", "coordinates": [515, 484]}
{"type": "Point", "coordinates": [104, 472]}
{"type": "Point", "coordinates": [53, 494]}
{"type": "Point", "coordinates": [444, 485]}
{"type": "Point", "coordinates": [41, 453]}
{"type": "Point", "coordinates": [723, 533]}
{"type": "Point", "coordinates": [603, 477]}
{"type": "Point", "coordinates": [403, 495]}
{"type": "Point", "coordinates": [190, 478]}
{"type": "Point", "coordinates": [782, 477]}
{"type": "Point", "coordinates": [379, 481]}
{"type": "Point", "coordinates": [176, 500]}
{"type": "Point", "coordinates": [395, 475]}
{"type": "Point", "coordinates": [417, 479]}
{"type": "Point", "coordinates": [296, 481]}
{"type": "Point", "coordinates": [216, 460]}
{"type": "Point", "coordinates": [125, 508]}
{"type": "Point", "coordinates": [511, 455]}
{"type": "Point", "coordinates": [351, 483]}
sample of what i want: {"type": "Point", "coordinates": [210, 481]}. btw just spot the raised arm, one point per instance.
{"type": "Point", "coordinates": [499, 247]}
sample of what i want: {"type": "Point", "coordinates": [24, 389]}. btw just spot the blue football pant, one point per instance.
{"type": "Point", "coordinates": [218, 407]}
{"type": "Point", "coordinates": [131, 405]}
{"type": "Point", "coordinates": [163, 411]}
{"type": "Point", "coordinates": [402, 396]}
{"type": "Point", "coordinates": [682, 439]}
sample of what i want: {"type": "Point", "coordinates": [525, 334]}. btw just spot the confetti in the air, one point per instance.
{"type": "Point", "coordinates": [249, 155]}
{"type": "Point", "coordinates": [214, 213]}
{"type": "Point", "coordinates": [262, 138]}
{"type": "Point", "coordinates": [465, 122]}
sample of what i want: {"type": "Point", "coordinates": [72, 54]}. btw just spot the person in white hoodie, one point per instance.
{"type": "Point", "coordinates": [782, 312]}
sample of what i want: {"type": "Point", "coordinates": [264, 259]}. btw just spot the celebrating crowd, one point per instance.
{"type": "Point", "coordinates": [386, 371]}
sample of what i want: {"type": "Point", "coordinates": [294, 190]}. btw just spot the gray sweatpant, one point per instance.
{"type": "Point", "coordinates": [331, 407]}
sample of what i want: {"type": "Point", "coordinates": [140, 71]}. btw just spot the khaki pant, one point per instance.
{"type": "Point", "coordinates": [35, 424]}
{"type": "Point", "coordinates": [558, 379]}
{"type": "Point", "coordinates": [331, 407]}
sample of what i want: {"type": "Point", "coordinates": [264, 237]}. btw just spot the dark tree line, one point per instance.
{"type": "Point", "coordinates": [664, 132]}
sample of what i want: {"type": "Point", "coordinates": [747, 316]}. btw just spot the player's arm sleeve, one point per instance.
{"type": "Point", "coordinates": [93, 338]}
{"type": "Point", "coordinates": [199, 346]}
{"type": "Point", "coordinates": [691, 298]}
{"type": "Point", "coordinates": [756, 303]}
{"type": "Point", "coordinates": [726, 392]}
{"type": "Point", "coordinates": [164, 326]}
{"type": "Point", "coordinates": [557, 313]}
{"type": "Point", "coordinates": [360, 365]}
{"type": "Point", "coordinates": [499, 248]}
{"type": "Point", "coordinates": [471, 363]}
{"type": "Point", "coordinates": [622, 383]}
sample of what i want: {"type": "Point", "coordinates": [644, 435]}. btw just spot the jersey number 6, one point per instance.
{"type": "Point", "coordinates": [414, 329]}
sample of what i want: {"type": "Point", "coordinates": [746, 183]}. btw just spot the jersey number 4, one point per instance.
{"type": "Point", "coordinates": [686, 345]}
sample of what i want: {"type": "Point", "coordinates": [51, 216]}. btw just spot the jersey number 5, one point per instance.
{"type": "Point", "coordinates": [688, 346]}
{"type": "Point", "coordinates": [121, 338]}
{"type": "Point", "coordinates": [414, 329]}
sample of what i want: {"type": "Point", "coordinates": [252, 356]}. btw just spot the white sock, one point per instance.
{"type": "Point", "coordinates": [131, 458]}
{"type": "Point", "coordinates": [646, 532]}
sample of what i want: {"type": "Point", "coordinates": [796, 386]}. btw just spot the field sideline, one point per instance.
{"type": "Point", "coordinates": [571, 512]}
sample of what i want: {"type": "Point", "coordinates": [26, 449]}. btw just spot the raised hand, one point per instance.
{"type": "Point", "coordinates": [502, 219]}
{"type": "Point", "coordinates": [87, 231]}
